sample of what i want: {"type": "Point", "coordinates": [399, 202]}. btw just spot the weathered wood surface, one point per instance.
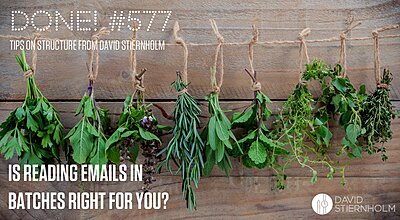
{"type": "Point", "coordinates": [220, 198]}
{"type": "Point", "coordinates": [276, 65]}
{"type": "Point", "coordinates": [249, 193]}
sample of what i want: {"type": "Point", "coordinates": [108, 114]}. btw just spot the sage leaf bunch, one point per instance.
{"type": "Point", "coordinates": [217, 136]}
{"type": "Point", "coordinates": [33, 131]}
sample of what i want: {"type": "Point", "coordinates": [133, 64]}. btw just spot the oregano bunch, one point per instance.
{"type": "Point", "coordinates": [217, 136]}
{"type": "Point", "coordinates": [87, 137]}
{"type": "Point", "coordinates": [34, 130]}
{"type": "Point", "coordinates": [376, 117]}
{"type": "Point", "coordinates": [137, 129]}
{"type": "Point", "coordinates": [297, 127]}
{"type": "Point", "coordinates": [259, 148]}
{"type": "Point", "coordinates": [339, 98]}
{"type": "Point", "coordinates": [186, 147]}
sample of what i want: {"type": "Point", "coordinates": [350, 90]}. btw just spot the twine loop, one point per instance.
{"type": "Point", "coordinates": [179, 40]}
{"type": "Point", "coordinates": [219, 50]}
{"type": "Point", "coordinates": [303, 50]}
{"type": "Point", "coordinates": [377, 61]}
{"type": "Point", "coordinates": [94, 54]}
{"type": "Point", "coordinates": [256, 86]}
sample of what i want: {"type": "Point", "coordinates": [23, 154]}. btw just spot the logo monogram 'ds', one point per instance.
{"type": "Point", "coordinates": [322, 204]}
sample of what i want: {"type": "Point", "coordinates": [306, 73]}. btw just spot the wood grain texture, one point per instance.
{"type": "Point", "coordinates": [249, 194]}
{"type": "Point", "coordinates": [222, 198]}
{"type": "Point", "coordinates": [63, 73]}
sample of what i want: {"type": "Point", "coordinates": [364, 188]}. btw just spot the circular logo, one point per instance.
{"type": "Point", "coordinates": [322, 204]}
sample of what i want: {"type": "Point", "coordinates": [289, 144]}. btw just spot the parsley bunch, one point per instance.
{"type": "Point", "coordinates": [34, 130]}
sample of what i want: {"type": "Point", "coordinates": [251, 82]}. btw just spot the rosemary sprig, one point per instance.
{"type": "Point", "coordinates": [186, 147]}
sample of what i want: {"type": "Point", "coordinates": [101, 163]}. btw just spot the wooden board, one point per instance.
{"type": "Point", "coordinates": [222, 198]}
{"type": "Point", "coordinates": [277, 65]}
{"type": "Point", "coordinates": [249, 194]}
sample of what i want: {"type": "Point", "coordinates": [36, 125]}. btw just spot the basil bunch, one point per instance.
{"type": "Point", "coordinates": [131, 132]}
{"type": "Point", "coordinates": [34, 130]}
{"type": "Point", "coordinates": [186, 146]}
{"type": "Point", "coordinates": [217, 135]}
{"type": "Point", "coordinates": [87, 137]}
{"type": "Point", "coordinates": [259, 149]}
{"type": "Point", "coordinates": [339, 97]}
{"type": "Point", "coordinates": [376, 117]}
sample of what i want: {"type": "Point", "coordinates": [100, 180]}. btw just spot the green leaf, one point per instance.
{"type": "Point", "coordinates": [128, 134]}
{"type": "Point", "coordinates": [257, 152]}
{"type": "Point", "coordinates": [147, 135]}
{"type": "Point", "coordinates": [245, 116]}
{"type": "Point", "coordinates": [82, 143]}
{"type": "Point", "coordinates": [31, 123]}
{"type": "Point", "coordinates": [340, 84]}
{"type": "Point", "coordinates": [314, 177]}
{"type": "Point", "coordinates": [20, 113]}
{"type": "Point", "coordinates": [211, 134]}
{"type": "Point", "coordinates": [326, 135]}
{"type": "Point", "coordinates": [100, 156]}
{"type": "Point", "coordinates": [352, 132]}
{"type": "Point", "coordinates": [357, 151]}
{"type": "Point", "coordinates": [89, 109]}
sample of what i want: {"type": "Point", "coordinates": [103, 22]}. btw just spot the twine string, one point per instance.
{"type": "Point", "coordinates": [377, 62]}
{"type": "Point", "coordinates": [218, 50]}
{"type": "Point", "coordinates": [183, 75]}
{"type": "Point", "coordinates": [303, 50]}
{"type": "Point", "coordinates": [32, 70]}
{"type": "Point", "coordinates": [94, 54]}
{"type": "Point", "coordinates": [255, 85]}
{"type": "Point", "coordinates": [136, 77]}
{"type": "Point", "coordinates": [343, 55]}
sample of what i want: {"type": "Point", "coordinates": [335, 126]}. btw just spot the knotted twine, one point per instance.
{"type": "Point", "coordinates": [377, 62]}
{"type": "Point", "coordinates": [137, 78]}
{"type": "Point", "coordinates": [32, 68]}
{"type": "Point", "coordinates": [219, 50]}
{"type": "Point", "coordinates": [180, 41]}
{"type": "Point", "coordinates": [303, 49]}
{"type": "Point", "coordinates": [94, 54]}
{"type": "Point", "coordinates": [255, 86]}
{"type": "Point", "coordinates": [342, 56]}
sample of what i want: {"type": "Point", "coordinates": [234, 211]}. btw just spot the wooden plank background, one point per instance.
{"type": "Point", "coordinates": [248, 193]}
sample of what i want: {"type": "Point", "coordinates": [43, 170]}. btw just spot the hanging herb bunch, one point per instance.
{"type": "Point", "coordinates": [297, 127]}
{"type": "Point", "coordinates": [259, 148]}
{"type": "Point", "coordinates": [376, 117]}
{"type": "Point", "coordinates": [87, 137]}
{"type": "Point", "coordinates": [217, 134]}
{"type": "Point", "coordinates": [137, 129]}
{"type": "Point", "coordinates": [186, 146]}
{"type": "Point", "coordinates": [339, 97]}
{"type": "Point", "coordinates": [34, 130]}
